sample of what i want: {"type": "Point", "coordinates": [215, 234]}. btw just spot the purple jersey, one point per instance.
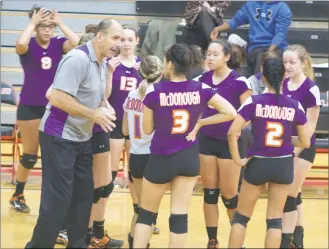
{"type": "Point", "coordinates": [176, 108]}
{"type": "Point", "coordinates": [231, 89]}
{"type": "Point", "coordinates": [40, 65]}
{"type": "Point", "coordinates": [124, 80]}
{"type": "Point", "coordinates": [272, 123]}
{"type": "Point", "coordinates": [308, 94]}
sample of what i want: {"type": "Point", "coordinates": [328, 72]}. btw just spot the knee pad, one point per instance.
{"type": "Point", "coordinates": [146, 217]}
{"type": "Point", "coordinates": [291, 204]}
{"type": "Point", "coordinates": [28, 161]}
{"type": "Point", "coordinates": [178, 223]}
{"type": "Point", "coordinates": [240, 219]}
{"type": "Point", "coordinates": [97, 194]}
{"type": "Point", "coordinates": [231, 203]}
{"type": "Point", "coordinates": [114, 175]}
{"type": "Point", "coordinates": [274, 223]}
{"type": "Point", "coordinates": [130, 177]}
{"type": "Point", "coordinates": [211, 195]}
{"type": "Point", "coordinates": [136, 208]}
{"type": "Point", "coordinates": [107, 190]}
{"type": "Point", "coordinates": [299, 198]}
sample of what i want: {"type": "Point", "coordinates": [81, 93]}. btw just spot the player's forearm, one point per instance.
{"type": "Point", "coordinates": [216, 119]}
{"type": "Point", "coordinates": [24, 39]}
{"type": "Point", "coordinates": [69, 34]}
{"type": "Point", "coordinates": [108, 89]}
{"type": "Point", "coordinates": [69, 105]}
{"type": "Point", "coordinates": [233, 145]}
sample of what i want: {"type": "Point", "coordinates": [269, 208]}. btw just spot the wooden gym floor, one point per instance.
{"type": "Point", "coordinates": [17, 228]}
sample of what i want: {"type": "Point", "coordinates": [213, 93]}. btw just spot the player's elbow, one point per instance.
{"type": "Point", "coordinates": [306, 143]}
{"type": "Point", "coordinates": [125, 131]}
{"type": "Point", "coordinates": [232, 134]}
{"type": "Point", "coordinates": [148, 130]}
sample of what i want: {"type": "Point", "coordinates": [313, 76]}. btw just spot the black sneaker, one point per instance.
{"type": "Point", "coordinates": [62, 238]}
{"type": "Point", "coordinates": [107, 242]}
{"type": "Point", "coordinates": [213, 243]}
{"type": "Point", "coordinates": [130, 241]}
{"type": "Point", "coordinates": [18, 202]}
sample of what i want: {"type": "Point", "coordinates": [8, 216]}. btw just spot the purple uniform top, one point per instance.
{"type": "Point", "coordinates": [308, 94]}
{"type": "Point", "coordinates": [272, 123]}
{"type": "Point", "coordinates": [124, 80]}
{"type": "Point", "coordinates": [40, 66]}
{"type": "Point", "coordinates": [231, 89]}
{"type": "Point", "coordinates": [176, 108]}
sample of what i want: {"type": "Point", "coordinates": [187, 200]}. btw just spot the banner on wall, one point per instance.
{"type": "Point", "coordinates": [324, 96]}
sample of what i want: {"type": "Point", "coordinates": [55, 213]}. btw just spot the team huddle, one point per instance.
{"type": "Point", "coordinates": [104, 98]}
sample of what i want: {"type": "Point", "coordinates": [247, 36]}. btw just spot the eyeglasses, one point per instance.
{"type": "Point", "coordinates": [45, 26]}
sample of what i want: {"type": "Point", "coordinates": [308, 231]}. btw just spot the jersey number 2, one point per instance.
{"type": "Point", "coordinates": [274, 133]}
{"type": "Point", "coordinates": [128, 83]}
{"type": "Point", "coordinates": [181, 120]}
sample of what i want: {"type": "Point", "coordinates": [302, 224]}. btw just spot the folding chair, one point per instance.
{"type": "Point", "coordinates": [9, 134]}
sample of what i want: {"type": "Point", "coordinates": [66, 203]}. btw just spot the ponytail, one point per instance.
{"type": "Point", "coordinates": [308, 69]}
{"type": "Point", "coordinates": [143, 87]}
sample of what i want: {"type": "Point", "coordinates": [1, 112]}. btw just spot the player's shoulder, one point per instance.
{"type": "Point", "coordinates": [204, 76]}
{"type": "Point", "coordinates": [311, 85]}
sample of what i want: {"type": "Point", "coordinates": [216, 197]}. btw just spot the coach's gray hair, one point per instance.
{"type": "Point", "coordinates": [105, 25]}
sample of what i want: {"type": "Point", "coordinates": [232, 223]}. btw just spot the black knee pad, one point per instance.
{"type": "Point", "coordinates": [291, 204]}
{"type": "Point", "coordinates": [299, 198]}
{"type": "Point", "coordinates": [107, 190]}
{"type": "Point", "coordinates": [274, 223]}
{"type": "Point", "coordinates": [114, 175]}
{"type": "Point", "coordinates": [28, 161]}
{"type": "Point", "coordinates": [178, 223]}
{"type": "Point", "coordinates": [146, 217]}
{"type": "Point", "coordinates": [240, 219]}
{"type": "Point", "coordinates": [136, 208]}
{"type": "Point", "coordinates": [231, 203]}
{"type": "Point", "coordinates": [211, 195]}
{"type": "Point", "coordinates": [97, 194]}
{"type": "Point", "coordinates": [130, 177]}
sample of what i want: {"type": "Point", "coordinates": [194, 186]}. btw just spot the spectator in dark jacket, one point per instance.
{"type": "Point", "coordinates": [269, 23]}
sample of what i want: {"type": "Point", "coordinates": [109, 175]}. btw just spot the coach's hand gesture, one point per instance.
{"type": "Point", "coordinates": [104, 117]}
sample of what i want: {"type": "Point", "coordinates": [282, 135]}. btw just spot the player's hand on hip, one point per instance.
{"type": "Point", "coordinates": [192, 135]}
{"type": "Point", "coordinates": [104, 117]}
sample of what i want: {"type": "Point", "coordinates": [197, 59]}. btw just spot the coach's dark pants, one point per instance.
{"type": "Point", "coordinates": [67, 188]}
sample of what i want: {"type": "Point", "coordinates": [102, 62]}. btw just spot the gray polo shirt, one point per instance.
{"type": "Point", "coordinates": [80, 76]}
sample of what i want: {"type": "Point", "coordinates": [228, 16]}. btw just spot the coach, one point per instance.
{"type": "Point", "coordinates": [65, 132]}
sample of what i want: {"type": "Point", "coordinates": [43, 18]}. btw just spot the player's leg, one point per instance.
{"type": "Point", "coordinates": [181, 192]}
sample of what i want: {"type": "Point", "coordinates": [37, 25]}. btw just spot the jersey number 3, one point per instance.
{"type": "Point", "coordinates": [128, 83]}
{"type": "Point", "coordinates": [274, 133]}
{"type": "Point", "coordinates": [181, 120]}
{"type": "Point", "coordinates": [46, 63]}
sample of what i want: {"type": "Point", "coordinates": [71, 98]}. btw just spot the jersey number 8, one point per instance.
{"type": "Point", "coordinates": [46, 63]}
{"type": "Point", "coordinates": [274, 133]}
{"type": "Point", "coordinates": [128, 83]}
{"type": "Point", "coordinates": [181, 120]}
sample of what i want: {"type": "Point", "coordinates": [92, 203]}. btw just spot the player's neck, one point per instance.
{"type": "Point", "coordinates": [178, 78]}
{"type": "Point", "coordinates": [222, 73]}
{"type": "Point", "coordinates": [127, 57]}
{"type": "Point", "coordinates": [298, 79]}
{"type": "Point", "coordinates": [42, 43]}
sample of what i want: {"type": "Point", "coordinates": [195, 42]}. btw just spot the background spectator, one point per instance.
{"type": "Point", "coordinates": [269, 23]}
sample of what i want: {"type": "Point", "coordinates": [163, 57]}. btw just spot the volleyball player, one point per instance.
{"type": "Point", "coordinates": [272, 116]}
{"type": "Point", "coordinates": [217, 169]}
{"type": "Point", "coordinates": [125, 79]}
{"type": "Point", "coordinates": [39, 57]}
{"type": "Point", "coordinates": [172, 110]}
{"type": "Point", "coordinates": [299, 85]}
{"type": "Point", "coordinates": [151, 71]}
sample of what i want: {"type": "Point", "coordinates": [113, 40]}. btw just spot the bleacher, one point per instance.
{"type": "Point", "coordinates": [309, 28]}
